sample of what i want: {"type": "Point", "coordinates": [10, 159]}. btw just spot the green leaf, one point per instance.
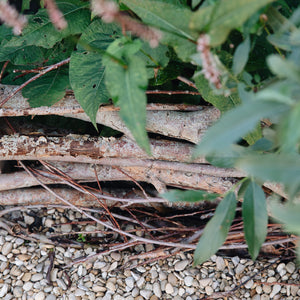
{"type": "Point", "coordinates": [274, 167]}
{"type": "Point", "coordinates": [87, 72]}
{"type": "Point", "coordinates": [216, 230]}
{"type": "Point", "coordinates": [25, 5]}
{"type": "Point", "coordinates": [41, 32]}
{"type": "Point", "coordinates": [219, 101]}
{"type": "Point", "coordinates": [189, 196]}
{"type": "Point", "coordinates": [289, 131]}
{"type": "Point", "coordinates": [154, 58]}
{"type": "Point", "coordinates": [240, 57]}
{"type": "Point", "coordinates": [127, 84]}
{"type": "Point", "coordinates": [219, 19]}
{"type": "Point", "coordinates": [287, 214]}
{"type": "Point", "coordinates": [283, 68]}
{"type": "Point", "coordinates": [236, 123]}
{"type": "Point", "coordinates": [255, 218]}
{"type": "Point", "coordinates": [174, 24]}
{"type": "Point", "coordinates": [48, 89]}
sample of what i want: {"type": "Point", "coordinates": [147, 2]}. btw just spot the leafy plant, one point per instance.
{"type": "Point", "coordinates": [242, 55]}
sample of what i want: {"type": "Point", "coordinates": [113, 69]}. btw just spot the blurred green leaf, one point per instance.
{"type": "Point", "coordinates": [216, 230]}
{"type": "Point", "coordinates": [219, 19]}
{"type": "Point", "coordinates": [283, 68]}
{"type": "Point", "coordinates": [87, 72]}
{"type": "Point", "coordinates": [274, 167]}
{"type": "Point", "coordinates": [172, 20]}
{"type": "Point", "coordinates": [127, 85]}
{"type": "Point", "coordinates": [189, 196]}
{"type": "Point", "coordinates": [289, 131]}
{"type": "Point", "coordinates": [236, 123]}
{"type": "Point", "coordinates": [255, 218]}
{"type": "Point", "coordinates": [287, 214]}
{"type": "Point", "coordinates": [241, 55]}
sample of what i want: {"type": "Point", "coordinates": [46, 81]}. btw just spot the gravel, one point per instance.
{"type": "Point", "coordinates": [24, 266]}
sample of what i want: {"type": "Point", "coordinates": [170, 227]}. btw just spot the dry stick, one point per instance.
{"type": "Point", "coordinates": [170, 93]}
{"type": "Point", "coordinates": [85, 173]}
{"type": "Point", "coordinates": [188, 82]}
{"type": "Point", "coordinates": [41, 73]}
{"type": "Point", "coordinates": [134, 237]}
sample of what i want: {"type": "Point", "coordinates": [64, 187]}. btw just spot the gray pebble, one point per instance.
{"type": "Point", "coordinates": [188, 280]}
{"type": "Point", "coordinates": [66, 228]}
{"type": "Point", "coordinates": [4, 290]}
{"type": "Point", "coordinates": [36, 277]}
{"type": "Point", "coordinates": [27, 286]}
{"type": "Point", "coordinates": [181, 265]}
{"type": "Point", "coordinates": [290, 267]}
{"type": "Point", "coordinates": [276, 289]}
{"type": "Point", "coordinates": [6, 248]}
{"type": "Point", "coordinates": [146, 293]}
{"type": "Point", "coordinates": [39, 296]}
{"type": "Point", "coordinates": [220, 263]}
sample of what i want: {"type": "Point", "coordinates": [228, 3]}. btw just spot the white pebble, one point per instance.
{"type": "Point", "coordinates": [79, 293]}
{"type": "Point", "coordinates": [188, 280]}
{"type": "Point", "coordinates": [36, 277]}
{"type": "Point", "coordinates": [157, 289]}
{"type": "Point", "coordinates": [39, 296]}
{"type": "Point", "coordinates": [129, 282]}
{"type": "Point", "coordinates": [205, 282]}
{"type": "Point", "coordinates": [146, 293]}
{"type": "Point", "coordinates": [209, 290]}
{"type": "Point", "coordinates": [27, 286]}
{"type": "Point", "coordinates": [28, 220]}
{"type": "Point", "coordinates": [4, 290]}
{"type": "Point", "coordinates": [276, 289]}
{"type": "Point", "coordinates": [290, 267]}
{"type": "Point", "coordinates": [169, 288]}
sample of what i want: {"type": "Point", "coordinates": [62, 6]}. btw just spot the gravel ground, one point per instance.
{"type": "Point", "coordinates": [24, 271]}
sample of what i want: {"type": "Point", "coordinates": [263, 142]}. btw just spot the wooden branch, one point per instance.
{"type": "Point", "coordinates": [86, 149]}
{"type": "Point", "coordinates": [161, 119]}
{"type": "Point", "coordinates": [146, 173]}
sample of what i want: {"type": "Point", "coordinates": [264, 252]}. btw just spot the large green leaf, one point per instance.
{"type": "Point", "coordinates": [287, 214]}
{"type": "Point", "coordinates": [48, 89]}
{"type": "Point", "coordinates": [87, 73]}
{"type": "Point", "coordinates": [289, 131]}
{"type": "Point", "coordinates": [189, 196]}
{"type": "Point", "coordinates": [236, 123]}
{"type": "Point", "coordinates": [255, 217]}
{"type": "Point", "coordinates": [172, 20]}
{"type": "Point", "coordinates": [216, 230]}
{"type": "Point", "coordinates": [274, 167]}
{"type": "Point", "coordinates": [126, 80]}
{"type": "Point", "coordinates": [41, 32]}
{"type": "Point", "coordinates": [219, 19]}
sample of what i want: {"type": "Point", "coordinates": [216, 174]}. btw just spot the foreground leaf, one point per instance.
{"type": "Point", "coordinates": [87, 73]}
{"type": "Point", "coordinates": [236, 123]}
{"type": "Point", "coordinates": [255, 217]}
{"type": "Point", "coordinates": [274, 167]}
{"type": "Point", "coordinates": [127, 84]}
{"type": "Point", "coordinates": [189, 196]}
{"type": "Point", "coordinates": [216, 230]}
{"type": "Point", "coordinates": [240, 57]}
{"type": "Point", "coordinates": [223, 16]}
{"type": "Point", "coordinates": [288, 215]}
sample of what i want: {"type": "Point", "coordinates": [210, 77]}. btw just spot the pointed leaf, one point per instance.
{"type": "Point", "coordinates": [287, 214]}
{"type": "Point", "coordinates": [86, 69]}
{"type": "Point", "coordinates": [234, 124]}
{"type": "Point", "coordinates": [127, 84]}
{"type": "Point", "coordinates": [48, 89]}
{"type": "Point", "coordinates": [41, 32]}
{"type": "Point", "coordinates": [189, 196]}
{"type": "Point", "coordinates": [174, 24]}
{"type": "Point", "coordinates": [240, 57]}
{"type": "Point", "coordinates": [274, 167]}
{"type": "Point", "coordinates": [223, 16]}
{"type": "Point", "coordinates": [289, 131]}
{"type": "Point", "coordinates": [255, 217]}
{"type": "Point", "coordinates": [216, 230]}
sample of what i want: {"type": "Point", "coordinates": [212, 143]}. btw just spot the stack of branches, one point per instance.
{"type": "Point", "coordinates": [72, 165]}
